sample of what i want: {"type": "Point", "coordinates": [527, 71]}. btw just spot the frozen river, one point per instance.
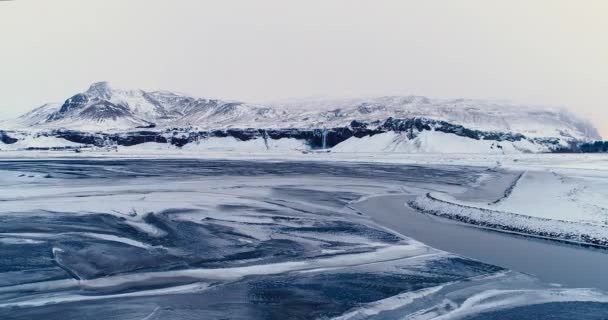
{"type": "Point", "coordinates": [199, 239]}
{"type": "Point", "coordinates": [568, 264]}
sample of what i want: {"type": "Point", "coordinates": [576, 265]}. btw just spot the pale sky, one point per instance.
{"type": "Point", "coordinates": [549, 52]}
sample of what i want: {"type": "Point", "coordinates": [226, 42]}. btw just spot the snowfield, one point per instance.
{"type": "Point", "coordinates": [569, 196]}
{"type": "Point", "coordinates": [434, 142]}
{"type": "Point", "coordinates": [583, 233]}
{"type": "Point", "coordinates": [39, 142]}
{"type": "Point", "coordinates": [230, 144]}
{"type": "Point", "coordinates": [568, 205]}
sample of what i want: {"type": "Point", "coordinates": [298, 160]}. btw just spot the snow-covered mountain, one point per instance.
{"type": "Point", "coordinates": [103, 117]}
{"type": "Point", "coordinates": [103, 108]}
{"type": "Point", "coordinates": [531, 121]}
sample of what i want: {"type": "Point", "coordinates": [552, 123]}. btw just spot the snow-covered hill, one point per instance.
{"type": "Point", "coordinates": [102, 107]}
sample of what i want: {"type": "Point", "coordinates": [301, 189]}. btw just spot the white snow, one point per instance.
{"type": "Point", "coordinates": [33, 118]}
{"type": "Point", "coordinates": [578, 232]}
{"type": "Point", "coordinates": [433, 142]}
{"type": "Point", "coordinates": [555, 201]}
{"type": "Point", "coordinates": [231, 144]}
{"type": "Point", "coordinates": [576, 197]}
{"type": "Point", "coordinates": [394, 302]}
{"type": "Point", "coordinates": [32, 141]}
{"type": "Point", "coordinates": [93, 125]}
{"type": "Point", "coordinates": [147, 147]}
{"type": "Point", "coordinates": [531, 121]}
{"type": "Point", "coordinates": [214, 145]}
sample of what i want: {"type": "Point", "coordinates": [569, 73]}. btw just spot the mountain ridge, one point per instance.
{"type": "Point", "coordinates": [103, 108]}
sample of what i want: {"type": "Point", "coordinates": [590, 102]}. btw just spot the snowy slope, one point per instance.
{"type": "Point", "coordinates": [36, 117]}
{"type": "Point", "coordinates": [40, 114]}
{"type": "Point", "coordinates": [102, 107]}
{"type": "Point", "coordinates": [531, 121]}
{"type": "Point", "coordinates": [434, 142]}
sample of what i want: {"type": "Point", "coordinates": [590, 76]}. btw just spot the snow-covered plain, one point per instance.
{"type": "Point", "coordinates": [592, 163]}
{"type": "Point", "coordinates": [230, 144]}
{"type": "Point", "coordinates": [555, 202]}
{"type": "Point", "coordinates": [570, 196]}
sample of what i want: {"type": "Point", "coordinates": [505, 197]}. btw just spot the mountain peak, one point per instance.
{"type": "Point", "coordinates": [100, 89]}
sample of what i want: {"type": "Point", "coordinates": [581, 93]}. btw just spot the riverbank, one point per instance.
{"type": "Point", "coordinates": [551, 261]}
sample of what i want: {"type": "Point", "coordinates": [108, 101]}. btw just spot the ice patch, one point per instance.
{"type": "Point", "coordinates": [391, 303]}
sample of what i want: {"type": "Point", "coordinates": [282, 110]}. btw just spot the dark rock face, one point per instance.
{"type": "Point", "coordinates": [6, 139]}
{"type": "Point", "coordinates": [105, 110]}
{"type": "Point", "coordinates": [423, 124]}
{"type": "Point", "coordinates": [316, 138]}
{"type": "Point", "coordinates": [594, 147]}
{"type": "Point", "coordinates": [74, 103]}
{"type": "Point", "coordinates": [104, 139]}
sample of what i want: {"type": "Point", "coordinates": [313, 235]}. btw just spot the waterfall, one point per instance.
{"type": "Point", "coordinates": [265, 137]}
{"type": "Point", "coordinates": [324, 135]}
